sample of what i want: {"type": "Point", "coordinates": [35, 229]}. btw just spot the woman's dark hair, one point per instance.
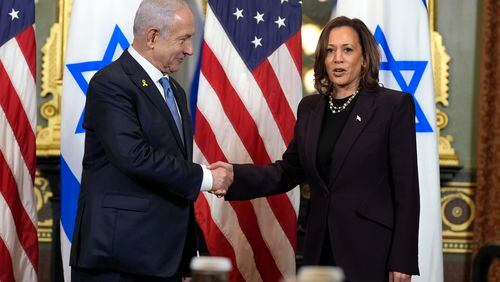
{"type": "Point", "coordinates": [371, 55]}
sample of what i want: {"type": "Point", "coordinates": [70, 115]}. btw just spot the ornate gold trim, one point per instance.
{"type": "Point", "coordinates": [204, 7]}
{"type": "Point", "coordinates": [457, 246]}
{"type": "Point", "coordinates": [458, 211]}
{"type": "Point", "coordinates": [48, 138]}
{"type": "Point", "coordinates": [43, 194]}
{"type": "Point", "coordinates": [440, 61]}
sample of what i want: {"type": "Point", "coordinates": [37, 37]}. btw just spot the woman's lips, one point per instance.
{"type": "Point", "coordinates": [338, 71]}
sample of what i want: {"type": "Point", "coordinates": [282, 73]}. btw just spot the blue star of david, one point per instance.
{"type": "Point", "coordinates": [418, 68]}
{"type": "Point", "coordinates": [77, 69]}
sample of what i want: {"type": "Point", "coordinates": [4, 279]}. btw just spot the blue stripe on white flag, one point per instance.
{"type": "Point", "coordinates": [70, 191]}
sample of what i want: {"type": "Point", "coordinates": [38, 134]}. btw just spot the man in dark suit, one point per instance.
{"type": "Point", "coordinates": [135, 218]}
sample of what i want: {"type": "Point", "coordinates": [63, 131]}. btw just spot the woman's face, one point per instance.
{"type": "Point", "coordinates": [344, 57]}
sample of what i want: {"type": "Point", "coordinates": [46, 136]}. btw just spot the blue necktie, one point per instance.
{"type": "Point", "coordinates": [172, 106]}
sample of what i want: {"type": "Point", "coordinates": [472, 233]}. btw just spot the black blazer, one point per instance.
{"type": "Point", "coordinates": [371, 205]}
{"type": "Point", "coordinates": [135, 211]}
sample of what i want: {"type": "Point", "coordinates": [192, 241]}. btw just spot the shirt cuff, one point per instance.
{"type": "Point", "coordinates": [206, 183]}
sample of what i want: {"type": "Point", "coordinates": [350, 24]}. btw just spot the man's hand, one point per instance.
{"type": "Point", "coordinates": [222, 174]}
{"type": "Point", "coordinates": [395, 276]}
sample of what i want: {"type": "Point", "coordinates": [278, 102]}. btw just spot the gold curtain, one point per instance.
{"type": "Point", "coordinates": [487, 221]}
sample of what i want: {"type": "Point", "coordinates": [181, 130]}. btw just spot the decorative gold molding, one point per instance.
{"type": "Point", "coordinates": [204, 7]}
{"type": "Point", "coordinates": [440, 61]}
{"type": "Point", "coordinates": [457, 246]}
{"type": "Point", "coordinates": [458, 211]}
{"type": "Point", "coordinates": [447, 155]}
{"type": "Point", "coordinates": [48, 138]}
{"type": "Point", "coordinates": [43, 194]}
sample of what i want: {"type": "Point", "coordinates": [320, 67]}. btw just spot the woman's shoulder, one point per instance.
{"type": "Point", "coordinates": [309, 102]}
{"type": "Point", "coordinates": [392, 97]}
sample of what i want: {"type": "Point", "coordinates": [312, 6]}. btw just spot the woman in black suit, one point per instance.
{"type": "Point", "coordinates": [355, 144]}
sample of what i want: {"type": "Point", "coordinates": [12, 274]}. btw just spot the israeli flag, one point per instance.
{"type": "Point", "coordinates": [401, 27]}
{"type": "Point", "coordinates": [99, 31]}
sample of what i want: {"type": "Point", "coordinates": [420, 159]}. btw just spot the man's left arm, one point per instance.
{"type": "Point", "coordinates": [112, 115]}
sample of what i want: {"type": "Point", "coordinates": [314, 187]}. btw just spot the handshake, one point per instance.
{"type": "Point", "coordinates": [222, 175]}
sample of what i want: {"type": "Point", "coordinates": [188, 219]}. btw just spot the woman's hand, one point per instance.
{"type": "Point", "coordinates": [395, 276]}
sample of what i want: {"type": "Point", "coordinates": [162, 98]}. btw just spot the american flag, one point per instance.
{"type": "Point", "coordinates": [18, 220]}
{"type": "Point", "coordinates": [249, 89]}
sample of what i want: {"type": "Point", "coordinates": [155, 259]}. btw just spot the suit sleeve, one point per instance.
{"type": "Point", "coordinates": [254, 181]}
{"type": "Point", "coordinates": [404, 170]}
{"type": "Point", "coordinates": [112, 116]}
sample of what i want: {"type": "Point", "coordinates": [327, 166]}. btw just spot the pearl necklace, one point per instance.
{"type": "Point", "coordinates": [338, 109]}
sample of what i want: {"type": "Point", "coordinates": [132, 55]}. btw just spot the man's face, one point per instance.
{"type": "Point", "coordinates": [169, 51]}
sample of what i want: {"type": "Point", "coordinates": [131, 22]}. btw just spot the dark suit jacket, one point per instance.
{"type": "Point", "coordinates": [135, 211]}
{"type": "Point", "coordinates": [371, 205]}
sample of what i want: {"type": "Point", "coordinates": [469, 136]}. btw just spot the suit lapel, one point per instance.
{"type": "Point", "coordinates": [313, 131]}
{"type": "Point", "coordinates": [142, 80]}
{"type": "Point", "coordinates": [356, 122]}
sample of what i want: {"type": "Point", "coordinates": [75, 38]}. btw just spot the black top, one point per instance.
{"type": "Point", "coordinates": [332, 126]}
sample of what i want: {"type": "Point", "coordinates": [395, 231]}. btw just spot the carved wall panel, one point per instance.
{"type": "Point", "coordinates": [440, 61]}
{"type": "Point", "coordinates": [43, 195]}
{"type": "Point", "coordinates": [53, 53]}
{"type": "Point", "coordinates": [458, 210]}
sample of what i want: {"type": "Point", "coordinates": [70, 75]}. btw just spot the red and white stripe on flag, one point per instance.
{"type": "Point", "coordinates": [18, 218]}
{"type": "Point", "coordinates": [247, 115]}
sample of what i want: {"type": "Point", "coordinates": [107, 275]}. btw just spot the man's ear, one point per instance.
{"type": "Point", "coordinates": [151, 37]}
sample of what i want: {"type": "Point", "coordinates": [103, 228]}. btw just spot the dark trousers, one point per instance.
{"type": "Point", "coordinates": [93, 275]}
{"type": "Point", "coordinates": [326, 258]}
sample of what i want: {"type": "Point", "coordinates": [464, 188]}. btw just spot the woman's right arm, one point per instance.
{"type": "Point", "coordinates": [255, 181]}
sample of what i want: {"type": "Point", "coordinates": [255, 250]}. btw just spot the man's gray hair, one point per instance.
{"type": "Point", "coordinates": [156, 13]}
